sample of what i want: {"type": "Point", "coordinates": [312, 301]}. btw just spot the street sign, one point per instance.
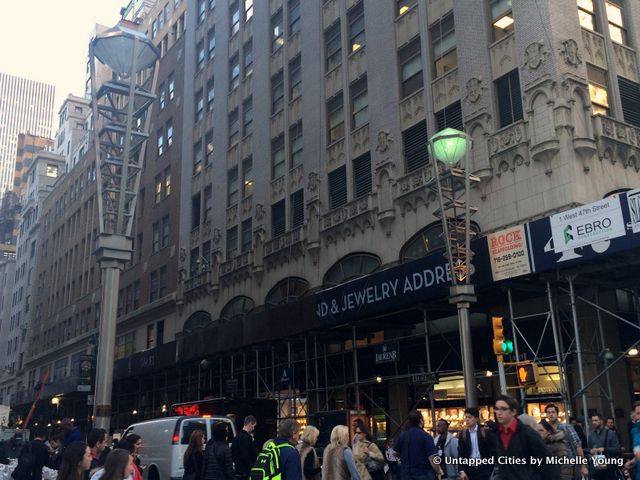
{"type": "Point", "coordinates": [424, 378]}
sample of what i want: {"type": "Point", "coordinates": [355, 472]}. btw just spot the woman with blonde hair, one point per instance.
{"type": "Point", "coordinates": [308, 457]}
{"type": "Point", "coordinates": [338, 462]}
{"type": "Point", "coordinates": [368, 457]}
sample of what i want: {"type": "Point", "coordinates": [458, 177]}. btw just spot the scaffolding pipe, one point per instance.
{"type": "Point", "coordinates": [563, 384]}
{"type": "Point", "coordinates": [574, 315]}
{"type": "Point", "coordinates": [604, 359]}
{"type": "Point", "coordinates": [317, 384]}
{"type": "Point", "coordinates": [515, 338]}
{"type": "Point", "coordinates": [355, 370]}
{"type": "Point", "coordinates": [425, 320]}
{"type": "Point", "coordinates": [257, 374]}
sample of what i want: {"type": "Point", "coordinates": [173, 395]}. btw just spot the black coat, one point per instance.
{"type": "Point", "coordinates": [525, 443]}
{"type": "Point", "coordinates": [217, 463]}
{"type": "Point", "coordinates": [41, 457]}
{"type": "Point", "coordinates": [486, 443]}
{"type": "Point", "coordinates": [243, 451]}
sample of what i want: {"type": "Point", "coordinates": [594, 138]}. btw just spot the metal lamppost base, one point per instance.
{"type": "Point", "coordinates": [462, 296]}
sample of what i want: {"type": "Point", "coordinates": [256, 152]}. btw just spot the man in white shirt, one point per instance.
{"type": "Point", "coordinates": [476, 446]}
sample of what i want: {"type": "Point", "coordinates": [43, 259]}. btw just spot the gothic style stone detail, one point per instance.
{"type": "Point", "coordinates": [313, 182]}
{"type": "Point", "coordinates": [594, 48]}
{"type": "Point", "coordinates": [474, 89]}
{"type": "Point", "coordinates": [570, 54]}
{"type": "Point", "coordinates": [534, 55]}
{"type": "Point", "coordinates": [412, 109]}
{"type": "Point", "coordinates": [259, 215]}
{"type": "Point", "coordinates": [385, 139]}
{"type": "Point", "coordinates": [183, 254]}
{"type": "Point", "coordinates": [346, 221]}
{"type": "Point", "coordinates": [360, 141]}
{"type": "Point", "coordinates": [506, 139]}
{"type": "Point", "coordinates": [216, 237]}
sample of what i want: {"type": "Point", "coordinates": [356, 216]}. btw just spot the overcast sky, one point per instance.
{"type": "Point", "coordinates": [47, 40]}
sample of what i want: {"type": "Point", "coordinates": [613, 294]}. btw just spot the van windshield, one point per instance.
{"type": "Point", "coordinates": [191, 425]}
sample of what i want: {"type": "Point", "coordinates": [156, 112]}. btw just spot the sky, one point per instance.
{"type": "Point", "coordinates": [47, 40]}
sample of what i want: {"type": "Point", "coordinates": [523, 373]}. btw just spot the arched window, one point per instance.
{"type": "Point", "coordinates": [352, 266]}
{"type": "Point", "coordinates": [616, 193]}
{"type": "Point", "coordinates": [197, 321]}
{"type": "Point", "coordinates": [286, 291]}
{"type": "Point", "coordinates": [426, 241]}
{"type": "Point", "coordinates": [236, 308]}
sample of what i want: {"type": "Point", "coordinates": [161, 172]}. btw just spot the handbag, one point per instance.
{"type": "Point", "coordinates": [373, 464]}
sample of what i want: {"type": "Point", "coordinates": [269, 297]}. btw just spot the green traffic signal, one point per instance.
{"type": "Point", "coordinates": [507, 347]}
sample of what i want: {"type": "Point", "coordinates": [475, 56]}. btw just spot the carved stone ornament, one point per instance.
{"type": "Point", "coordinates": [259, 212]}
{"type": "Point", "coordinates": [475, 88]}
{"type": "Point", "coordinates": [384, 140]}
{"type": "Point", "coordinates": [534, 55]}
{"type": "Point", "coordinates": [183, 254]}
{"type": "Point", "coordinates": [569, 53]}
{"type": "Point", "coordinates": [217, 236]}
{"type": "Point", "coordinates": [313, 182]}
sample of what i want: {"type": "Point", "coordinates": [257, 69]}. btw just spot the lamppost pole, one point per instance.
{"type": "Point", "coordinates": [449, 147]}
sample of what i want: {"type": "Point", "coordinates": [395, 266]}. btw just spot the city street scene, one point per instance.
{"type": "Point", "coordinates": [320, 240]}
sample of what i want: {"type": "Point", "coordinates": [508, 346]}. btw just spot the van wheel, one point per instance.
{"type": "Point", "coordinates": [153, 474]}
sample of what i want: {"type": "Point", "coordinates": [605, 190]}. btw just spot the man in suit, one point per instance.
{"type": "Point", "coordinates": [475, 445]}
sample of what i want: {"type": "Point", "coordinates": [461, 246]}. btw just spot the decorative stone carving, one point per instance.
{"type": "Point", "coordinates": [569, 53]}
{"type": "Point", "coordinates": [216, 236]}
{"type": "Point", "coordinates": [534, 55]}
{"type": "Point", "coordinates": [259, 212]}
{"type": "Point", "coordinates": [475, 89]}
{"type": "Point", "coordinates": [385, 139]}
{"type": "Point", "coordinates": [183, 254]}
{"type": "Point", "coordinates": [313, 182]}
{"type": "Point", "coordinates": [506, 139]}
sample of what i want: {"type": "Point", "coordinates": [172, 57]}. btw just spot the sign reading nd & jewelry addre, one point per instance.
{"type": "Point", "coordinates": [509, 253]}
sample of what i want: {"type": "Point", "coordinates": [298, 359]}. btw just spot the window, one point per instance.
{"type": "Point", "coordinates": [211, 43]}
{"type": "Point", "coordinates": [247, 117]}
{"type": "Point", "coordinates": [630, 98]}
{"type": "Point", "coordinates": [151, 336]}
{"type": "Point", "coordinates": [155, 245]}
{"type": "Point", "coordinates": [158, 193]}
{"type": "Point", "coordinates": [586, 14]}
{"type": "Point", "coordinates": [362, 175]}
{"type": "Point", "coordinates": [248, 10]}
{"type": "Point", "coordinates": [234, 71]}
{"type": "Point", "coordinates": [165, 232]}
{"type": "Point", "coordinates": [136, 294]}
{"type": "Point", "coordinates": [338, 187]}
{"type": "Point", "coordinates": [403, 6]}
{"type": "Point", "coordinates": [208, 202]}
{"type": "Point", "coordinates": [450, 116]}
{"type": "Point", "coordinates": [211, 93]}
{"type": "Point", "coordinates": [286, 291]}
{"type": "Point", "coordinates": [197, 158]}
{"type": "Point", "coordinates": [212, 4]}
{"type": "Point", "coordinates": [333, 46]}
{"type": "Point", "coordinates": [172, 86]}
{"type": "Point", "coordinates": [277, 35]}
{"type": "Point", "coordinates": [208, 141]}
{"type": "Point", "coordinates": [278, 219]}
{"type": "Point", "coordinates": [295, 78]}
{"type": "Point", "coordinates": [160, 134]}
{"type": "Point", "coordinates": [202, 10]}
{"type": "Point", "coordinates": [162, 98]}
{"type": "Point", "coordinates": [509, 98]}
{"type": "Point", "coordinates": [415, 141]}
{"type": "Point", "coordinates": [356, 26]}
{"type": "Point", "coordinates": [277, 158]}
{"type": "Point", "coordinates": [277, 92]}
{"type": "Point", "coordinates": [167, 182]}
{"type": "Point", "coordinates": [297, 209]}
{"type": "Point", "coordinates": [502, 18]}
{"type": "Point", "coordinates": [154, 29]}
{"type": "Point", "coordinates": [295, 144]}
{"type": "Point", "coordinates": [234, 128]}
{"type": "Point", "coordinates": [194, 261]}
{"type": "Point", "coordinates": [232, 186]}
{"type": "Point", "coordinates": [335, 118]}
{"type": "Point", "coordinates": [616, 26]}
{"type": "Point", "coordinates": [195, 211]}
{"type": "Point", "coordinates": [598, 90]}
{"type": "Point", "coordinates": [443, 40]}
{"type": "Point", "coordinates": [359, 104]}
{"type": "Point", "coordinates": [411, 68]}
{"type": "Point", "coordinates": [169, 127]}
{"type": "Point", "coordinates": [247, 177]}
{"type": "Point", "coordinates": [247, 232]}
{"type": "Point", "coordinates": [294, 16]}
{"type": "Point", "coordinates": [236, 309]}
{"type": "Point", "coordinates": [232, 242]}
{"type": "Point", "coordinates": [52, 171]}
{"type": "Point", "coordinates": [352, 266]}
{"type": "Point", "coordinates": [199, 105]}
{"type": "Point", "coordinates": [162, 282]}
{"type": "Point", "coordinates": [247, 51]}
{"type": "Point", "coordinates": [160, 21]}
{"type": "Point", "coordinates": [234, 15]}
{"type": "Point", "coordinates": [153, 287]}
{"type": "Point", "coordinates": [206, 254]}
{"type": "Point", "coordinates": [167, 13]}
{"type": "Point", "coordinates": [200, 56]}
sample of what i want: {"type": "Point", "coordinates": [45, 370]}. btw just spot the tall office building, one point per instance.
{"type": "Point", "coordinates": [25, 106]}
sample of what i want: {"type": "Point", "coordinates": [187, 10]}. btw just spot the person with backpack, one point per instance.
{"type": "Point", "coordinates": [193, 456]}
{"type": "Point", "coordinates": [76, 461]}
{"type": "Point", "coordinates": [243, 449]}
{"type": "Point", "coordinates": [338, 462]}
{"type": "Point", "coordinates": [279, 458]}
{"type": "Point", "coordinates": [217, 463]}
{"type": "Point", "coordinates": [603, 445]}
{"type": "Point", "coordinates": [475, 444]}
{"type": "Point", "coordinates": [369, 459]}
{"type": "Point", "coordinates": [575, 447]}
{"type": "Point", "coordinates": [33, 457]}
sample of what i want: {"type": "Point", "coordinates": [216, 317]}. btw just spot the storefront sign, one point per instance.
{"type": "Point", "coordinates": [633, 201]}
{"type": "Point", "coordinates": [508, 253]}
{"type": "Point", "coordinates": [85, 377]}
{"type": "Point", "coordinates": [387, 353]}
{"type": "Point", "coordinates": [588, 224]}
{"type": "Point", "coordinates": [424, 378]}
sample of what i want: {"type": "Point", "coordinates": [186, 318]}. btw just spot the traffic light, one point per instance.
{"type": "Point", "coordinates": [501, 345]}
{"type": "Point", "coordinates": [527, 374]}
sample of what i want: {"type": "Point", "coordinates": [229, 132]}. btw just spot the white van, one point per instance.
{"type": "Point", "coordinates": [165, 440]}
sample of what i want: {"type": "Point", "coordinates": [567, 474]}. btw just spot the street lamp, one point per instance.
{"type": "Point", "coordinates": [452, 185]}
{"type": "Point", "coordinates": [120, 120]}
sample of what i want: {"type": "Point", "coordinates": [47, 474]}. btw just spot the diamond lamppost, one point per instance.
{"type": "Point", "coordinates": [452, 185]}
{"type": "Point", "coordinates": [120, 120]}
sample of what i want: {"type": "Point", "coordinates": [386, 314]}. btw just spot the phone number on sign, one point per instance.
{"type": "Point", "coordinates": [508, 256]}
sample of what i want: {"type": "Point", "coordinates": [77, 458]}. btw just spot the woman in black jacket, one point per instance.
{"type": "Point", "coordinates": [192, 460]}
{"type": "Point", "coordinates": [217, 463]}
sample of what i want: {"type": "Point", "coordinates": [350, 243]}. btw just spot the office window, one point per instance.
{"type": "Point", "coordinates": [208, 145]}
{"type": "Point", "coordinates": [509, 98]}
{"type": "Point", "coordinates": [162, 282]}
{"type": "Point", "coordinates": [171, 86]}
{"type": "Point", "coordinates": [247, 232]}
{"type": "Point", "coordinates": [154, 29]}
{"type": "Point", "coordinates": [234, 72]}
{"type": "Point", "coordinates": [356, 26]}
{"type": "Point", "coordinates": [248, 10]}
{"type": "Point", "coordinates": [211, 94]}
{"type": "Point", "coordinates": [200, 56]}
{"type": "Point", "coordinates": [403, 6]}
{"type": "Point", "coordinates": [153, 288]}
{"type": "Point", "coordinates": [278, 219]}
{"type": "Point", "coordinates": [359, 104]}
{"type": "Point", "coordinates": [208, 202]}
{"type": "Point", "coordinates": [335, 118]}
{"type": "Point", "coordinates": [450, 116]}
{"type": "Point", "coordinates": [277, 92]}
{"type": "Point", "coordinates": [337, 187]}
{"type": "Point", "coordinates": [136, 294]}
{"type": "Point", "coordinates": [155, 245]}
{"type": "Point", "coordinates": [194, 261]}
{"type": "Point", "coordinates": [598, 90]}
{"type": "Point", "coordinates": [234, 128]}
{"type": "Point", "coordinates": [232, 187]}
{"type": "Point", "coordinates": [247, 177]}
{"type": "Point", "coordinates": [195, 211]}
{"type": "Point", "coordinates": [211, 43]}
{"type": "Point", "coordinates": [586, 14]}
{"type": "Point", "coordinates": [616, 24]}
{"type": "Point", "coordinates": [443, 40]}
{"type": "Point", "coordinates": [362, 175]}
{"type": "Point", "coordinates": [197, 158]}
{"type": "Point", "coordinates": [212, 4]}
{"type": "Point", "coordinates": [247, 117]}
{"type": "Point", "coordinates": [247, 52]}
{"type": "Point", "coordinates": [167, 14]}
{"type": "Point", "coordinates": [167, 181]}
{"type": "Point", "coordinates": [232, 242]}
{"type": "Point", "coordinates": [160, 21]}
{"type": "Point", "coordinates": [630, 98]}
{"type": "Point", "coordinates": [295, 78]}
{"type": "Point", "coordinates": [333, 46]}
{"type": "Point", "coordinates": [165, 232]}
{"type": "Point", "coordinates": [160, 135]}
{"type": "Point", "coordinates": [158, 192]}
{"type": "Point", "coordinates": [234, 15]}
{"type": "Point", "coordinates": [176, 3]}
{"type": "Point", "coordinates": [162, 97]}
{"type": "Point", "coordinates": [202, 10]}
{"type": "Point", "coordinates": [502, 18]}
{"type": "Point", "coordinates": [277, 34]}
{"type": "Point", "coordinates": [169, 127]}
{"type": "Point", "coordinates": [277, 158]}
{"type": "Point", "coordinates": [294, 16]}
{"type": "Point", "coordinates": [52, 171]}
{"type": "Point", "coordinates": [414, 140]}
{"type": "Point", "coordinates": [295, 144]}
{"type": "Point", "coordinates": [199, 105]}
{"type": "Point", "coordinates": [151, 336]}
{"type": "Point", "coordinates": [297, 209]}
{"type": "Point", "coordinates": [411, 68]}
